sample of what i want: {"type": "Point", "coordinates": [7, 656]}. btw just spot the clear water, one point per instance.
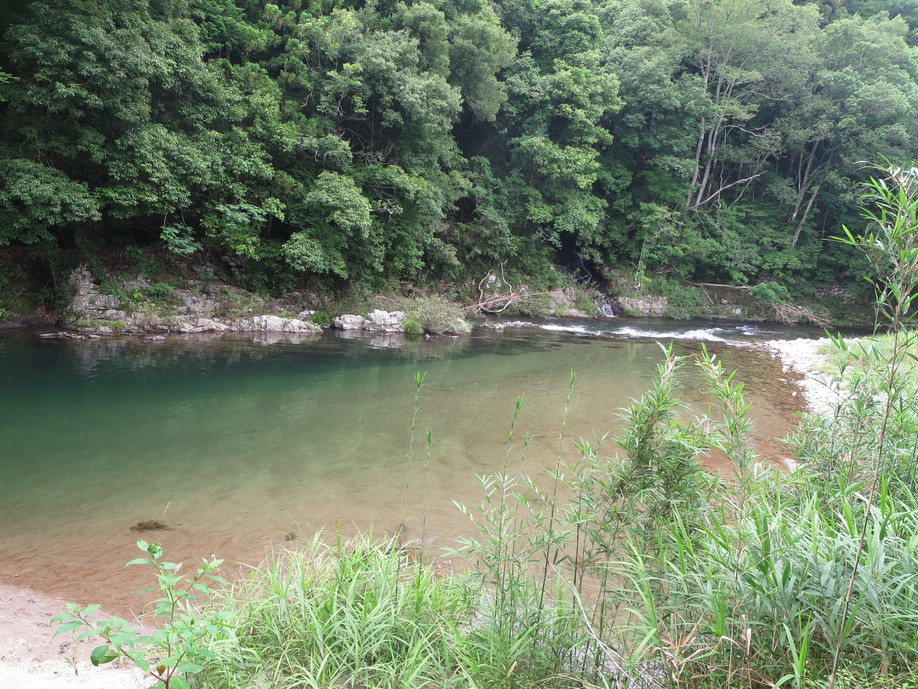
{"type": "Point", "coordinates": [246, 444]}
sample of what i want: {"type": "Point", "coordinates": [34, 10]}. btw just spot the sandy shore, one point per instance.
{"type": "Point", "coordinates": [32, 658]}
{"type": "Point", "coordinates": [802, 356]}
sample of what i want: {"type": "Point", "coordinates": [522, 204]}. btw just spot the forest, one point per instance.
{"type": "Point", "coordinates": [364, 142]}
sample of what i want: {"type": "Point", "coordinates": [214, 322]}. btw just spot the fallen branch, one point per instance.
{"type": "Point", "coordinates": [490, 304]}
{"type": "Point", "coordinates": [496, 303]}
{"type": "Point", "coordinates": [788, 313]}
{"type": "Point", "coordinates": [716, 284]}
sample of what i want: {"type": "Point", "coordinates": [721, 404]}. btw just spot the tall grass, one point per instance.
{"type": "Point", "coordinates": [363, 614]}
{"type": "Point", "coordinates": [757, 594]}
{"type": "Point", "coordinates": [809, 579]}
{"type": "Point", "coordinates": [351, 614]}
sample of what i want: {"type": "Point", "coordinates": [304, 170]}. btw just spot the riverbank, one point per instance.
{"type": "Point", "coordinates": [803, 357]}
{"type": "Point", "coordinates": [31, 657]}
{"type": "Point", "coordinates": [174, 294]}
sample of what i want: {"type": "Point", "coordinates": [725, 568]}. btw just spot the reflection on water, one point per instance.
{"type": "Point", "coordinates": [242, 442]}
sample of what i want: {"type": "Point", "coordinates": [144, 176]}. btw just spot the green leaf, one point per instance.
{"type": "Point", "coordinates": [189, 667]}
{"type": "Point", "coordinates": [138, 561]}
{"type": "Point", "coordinates": [102, 654]}
{"type": "Point", "coordinates": [68, 627]}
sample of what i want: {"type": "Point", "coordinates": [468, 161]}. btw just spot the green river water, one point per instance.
{"type": "Point", "coordinates": [247, 443]}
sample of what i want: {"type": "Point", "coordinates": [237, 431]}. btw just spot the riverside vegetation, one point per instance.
{"type": "Point", "coordinates": [353, 143]}
{"type": "Point", "coordinates": [633, 569]}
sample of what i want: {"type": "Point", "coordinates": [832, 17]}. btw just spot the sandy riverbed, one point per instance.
{"type": "Point", "coordinates": [32, 658]}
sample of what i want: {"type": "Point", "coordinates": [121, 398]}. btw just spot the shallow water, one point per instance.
{"type": "Point", "coordinates": [247, 443]}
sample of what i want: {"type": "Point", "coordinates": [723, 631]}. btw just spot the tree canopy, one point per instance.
{"type": "Point", "coordinates": [377, 140]}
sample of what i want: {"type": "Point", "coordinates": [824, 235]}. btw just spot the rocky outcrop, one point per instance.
{"type": "Point", "coordinates": [377, 321]}
{"type": "Point", "coordinates": [276, 324]}
{"type": "Point", "coordinates": [563, 305]}
{"type": "Point", "coordinates": [642, 306]}
{"type": "Point", "coordinates": [208, 306]}
{"type": "Point", "coordinates": [193, 311]}
{"type": "Point", "coordinates": [199, 325]}
{"type": "Point", "coordinates": [88, 301]}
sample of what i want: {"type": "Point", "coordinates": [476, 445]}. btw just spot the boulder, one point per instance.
{"type": "Point", "coordinates": [385, 321]}
{"type": "Point", "coordinates": [276, 324]}
{"type": "Point", "coordinates": [186, 324]}
{"type": "Point", "coordinates": [210, 325]}
{"type": "Point", "coordinates": [563, 304]}
{"type": "Point", "coordinates": [348, 321]}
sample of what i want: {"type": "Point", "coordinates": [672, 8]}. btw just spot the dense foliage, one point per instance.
{"type": "Point", "coordinates": [377, 140]}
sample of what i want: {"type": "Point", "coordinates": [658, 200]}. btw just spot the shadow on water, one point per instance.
{"type": "Point", "coordinates": [249, 442]}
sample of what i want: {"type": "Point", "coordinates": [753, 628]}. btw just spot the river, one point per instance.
{"type": "Point", "coordinates": [244, 445]}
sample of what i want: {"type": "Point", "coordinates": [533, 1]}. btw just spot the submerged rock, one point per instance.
{"type": "Point", "coordinates": [500, 325]}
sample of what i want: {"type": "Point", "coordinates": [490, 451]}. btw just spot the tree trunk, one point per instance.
{"type": "Point", "coordinates": [806, 213]}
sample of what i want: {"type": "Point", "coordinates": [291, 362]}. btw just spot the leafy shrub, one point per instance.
{"type": "Point", "coordinates": [588, 306]}
{"type": "Point", "coordinates": [133, 254]}
{"type": "Point", "coordinates": [537, 305]}
{"type": "Point", "coordinates": [160, 289]}
{"type": "Point", "coordinates": [171, 652]}
{"type": "Point", "coordinates": [770, 293]}
{"type": "Point", "coordinates": [435, 314]}
{"type": "Point", "coordinates": [685, 303]}
{"type": "Point", "coordinates": [179, 239]}
{"type": "Point", "coordinates": [321, 317]}
{"type": "Point", "coordinates": [413, 327]}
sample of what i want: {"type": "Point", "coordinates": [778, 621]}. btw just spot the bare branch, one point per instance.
{"type": "Point", "coordinates": [724, 188]}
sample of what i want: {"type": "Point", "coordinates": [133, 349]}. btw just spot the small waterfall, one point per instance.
{"type": "Point", "coordinates": [606, 309]}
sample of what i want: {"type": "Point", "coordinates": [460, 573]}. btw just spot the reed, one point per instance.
{"type": "Point", "coordinates": [353, 613]}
